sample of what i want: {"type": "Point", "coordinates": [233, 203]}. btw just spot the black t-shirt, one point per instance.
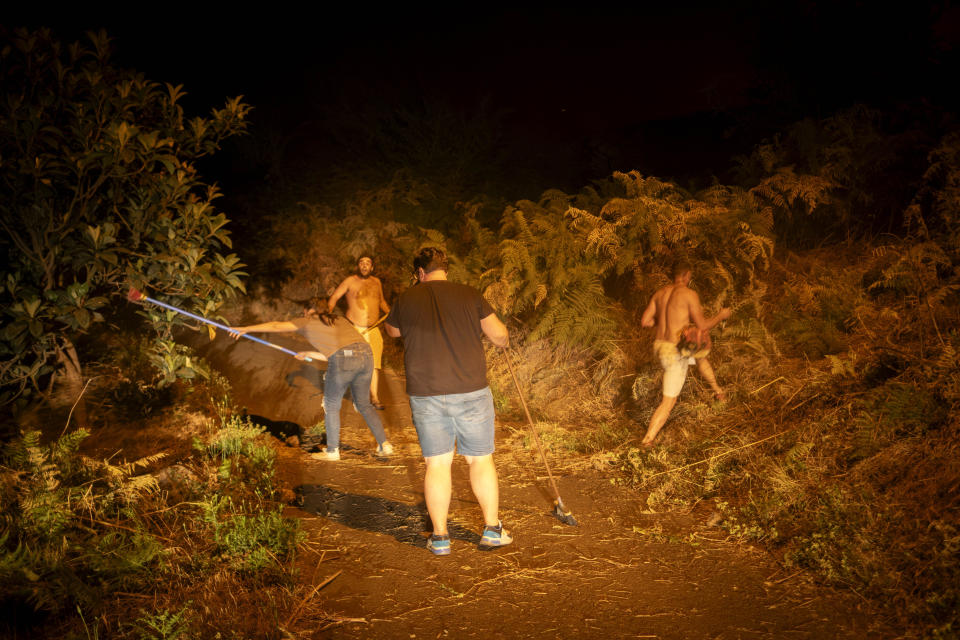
{"type": "Point", "coordinates": [439, 322]}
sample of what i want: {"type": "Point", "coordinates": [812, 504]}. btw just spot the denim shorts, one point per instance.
{"type": "Point", "coordinates": [461, 421]}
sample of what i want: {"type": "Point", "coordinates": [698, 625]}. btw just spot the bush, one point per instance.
{"type": "Point", "coordinates": [108, 197]}
{"type": "Point", "coordinates": [52, 494]}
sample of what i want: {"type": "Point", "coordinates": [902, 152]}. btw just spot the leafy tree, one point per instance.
{"type": "Point", "coordinates": [99, 191]}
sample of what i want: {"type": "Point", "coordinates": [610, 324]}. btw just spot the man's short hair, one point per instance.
{"type": "Point", "coordinates": [364, 255]}
{"type": "Point", "coordinates": [431, 259]}
{"type": "Point", "coordinates": [681, 267]}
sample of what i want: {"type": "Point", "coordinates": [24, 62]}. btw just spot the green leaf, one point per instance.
{"type": "Point", "coordinates": [121, 149]}
{"type": "Point", "coordinates": [148, 140]}
{"type": "Point", "coordinates": [83, 318]}
{"type": "Point", "coordinates": [169, 162]}
{"type": "Point", "coordinates": [31, 306]}
{"type": "Point", "coordinates": [36, 328]}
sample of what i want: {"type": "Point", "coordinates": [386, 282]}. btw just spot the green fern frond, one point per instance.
{"type": "Point", "coordinates": [785, 188]}
{"type": "Point", "coordinates": [67, 444]}
{"type": "Point", "coordinates": [515, 223]}
{"type": "Point", "coordinates": [619, 209]}
{"type": "Point", "coordinates": [936, 297]}
{"type": "Point", "coordinates": [500, 295]}
{"type": "Point", "coordinates": [23, 452]}
{"type": "Point", "coordinates": [555, 200]}
{"type": "Point", "coordinates": [798, 453]}
{"type": "Point", "coordinates": [753, 248]}
{"type": "Point", "coordinates": [579, 318]}
{"type": "Point", "coordinates": [134, 488]}
{"type": "Point", "coordinates": [727, 277]}
{"type": "Point", "coordinates": [126, 469]}
{"type": "Point", "coordinates": [753, 335]}
{"type": "Point", "coordinates": [947, 359]}
{"type": "Point", "coordinates": [540, 296]}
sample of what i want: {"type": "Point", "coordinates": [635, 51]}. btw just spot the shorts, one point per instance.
{"type": "Point", "coordinates": [375, 340]}
{"type": "Point", "coordinates": [458, 421]}
{"type": "Point", "coordinates": [674, 366]}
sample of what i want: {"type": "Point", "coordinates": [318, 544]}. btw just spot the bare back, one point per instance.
{"type": "Point", "coordinates": [674, 305]}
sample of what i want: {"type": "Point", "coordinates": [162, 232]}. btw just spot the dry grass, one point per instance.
{"type": "Point", "coordinates": [841, 461]}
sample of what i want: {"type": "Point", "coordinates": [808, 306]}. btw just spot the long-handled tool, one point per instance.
{"type": "Point", "coordinates": [559, 511]}
{"type": "Point", "coordinates": [374, 325]}
{"type": "Point", "coordinates": [136, 296]}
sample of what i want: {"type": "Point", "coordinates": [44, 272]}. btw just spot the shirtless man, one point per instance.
{"type": "Point", "coordinates": [364, 304]}
{"type": "Point", "coordinates": [672, 309]}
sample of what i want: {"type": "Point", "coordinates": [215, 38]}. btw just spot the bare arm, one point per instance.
{"type": "Point", "coordinates": [696, 314]}
{"type": "Point", "coordinates": [495, 330]}
{"type": "Point", "coordinates": [649, 314]}
{"type": "Point", "coordinates": [383, 303]}
{"type": "Point", "coordinates": [332, 300]}
{"type": "Point", "coordinates": [277, 326]}
{"type": "Point", "coordinates": [313, 355]}
{"type": "Point", "coordinates": [392, 331]}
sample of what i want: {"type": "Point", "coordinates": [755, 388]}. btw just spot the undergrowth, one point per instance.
{"type": "Point", "coordinates": [82, 540]}
{"type": "Point", "coordinates": [841, 459]}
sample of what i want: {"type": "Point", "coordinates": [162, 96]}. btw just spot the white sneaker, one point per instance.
{"type": "Point", "coordinates": [385, 449]}
{"type": "Point", "coordinates": [331, 454]}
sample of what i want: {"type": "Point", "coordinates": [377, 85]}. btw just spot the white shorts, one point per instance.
{"type": "Point", "coordinates": [674, 366]}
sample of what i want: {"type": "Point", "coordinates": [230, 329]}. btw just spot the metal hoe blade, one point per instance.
{"type": "Point", "coordinates": [562, 514]}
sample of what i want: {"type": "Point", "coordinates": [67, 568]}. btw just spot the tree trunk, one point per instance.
{"type": "Point", "coordinates": [73, 378]}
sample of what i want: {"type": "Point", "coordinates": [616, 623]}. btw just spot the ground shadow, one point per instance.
{"type": "Point", "coordinates": [284, 429]}
{"type": "Point", "coordinates": [311, 375]}
{"type": "Point", "coordinates": [405, 523]}
{"type": "Point", "coordinates": [280, 429]}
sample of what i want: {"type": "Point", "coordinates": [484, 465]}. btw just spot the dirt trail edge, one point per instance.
{"type": "Point", "coordinates": [622, 573]}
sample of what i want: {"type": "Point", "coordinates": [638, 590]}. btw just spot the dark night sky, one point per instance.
{"type": "Point", "coordinates": [659, 86]}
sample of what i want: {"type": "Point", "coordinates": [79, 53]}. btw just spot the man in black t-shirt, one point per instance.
{"type": "Point", "coordinates": [442, 324]}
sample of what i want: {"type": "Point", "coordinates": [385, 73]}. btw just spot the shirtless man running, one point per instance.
{"type": "Point", "coordinates": [364, 303]}
{"type": "Point", "coordinates": [672, 309]}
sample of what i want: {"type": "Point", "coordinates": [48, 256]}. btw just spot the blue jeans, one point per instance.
{"type": "Point", "coordinates": [459, 420]}
{"type": "Point", "coordinates": [350, 367]}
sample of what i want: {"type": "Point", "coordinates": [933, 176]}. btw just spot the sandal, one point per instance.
{"type": "Point", "coordinates": [439, 545]}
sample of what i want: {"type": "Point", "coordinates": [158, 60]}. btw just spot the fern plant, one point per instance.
{"type": "Point", "coordinates": [163, 624]}
{"type": "Point", "coordinates": [249, 536]}
{"type": "Point", "coordinates": [59, 547]}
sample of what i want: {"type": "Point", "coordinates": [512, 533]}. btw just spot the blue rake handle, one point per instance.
{"type": "Point", "coordinates": [136, 296]}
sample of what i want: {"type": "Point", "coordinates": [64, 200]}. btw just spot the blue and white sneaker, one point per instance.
{"type": "Point", "coordinates": [439, 545]}
{"type": "Point", "coordinates": [494, 537]}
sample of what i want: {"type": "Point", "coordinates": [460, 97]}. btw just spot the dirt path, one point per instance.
{"type": "Point", "coordinates": [621, 573]}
